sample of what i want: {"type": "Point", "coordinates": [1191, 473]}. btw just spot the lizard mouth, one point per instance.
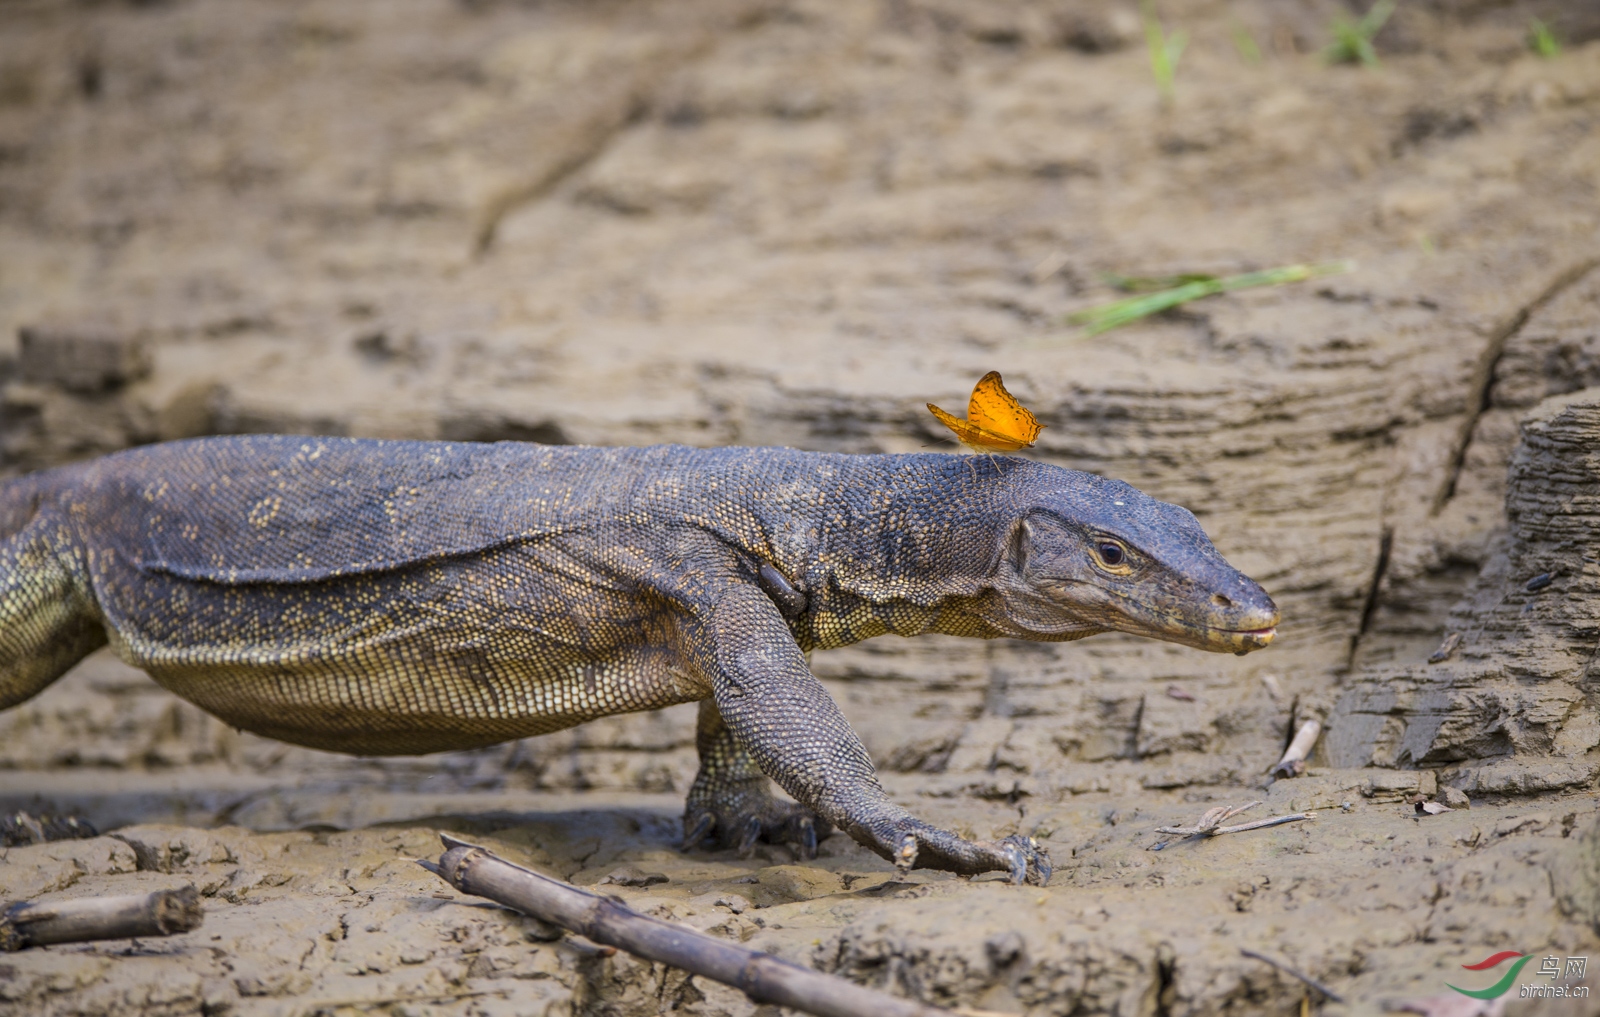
{"type": "Point", "coordinates": [1255, 639]}
{"type": "Point", "coordinates": [1210, 637]}
{"type": "Point", "coordinates": [1264, 635]}
{"type": "Point", "coordinates": [1240, 641]}
{"type": "Point", "coordinates": [1147, 619]}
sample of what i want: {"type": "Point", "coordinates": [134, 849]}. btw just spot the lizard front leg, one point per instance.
{"type": "Point", "coordinates": [783, 717]}
{"type": "Point", "coordinates": [733, 799]}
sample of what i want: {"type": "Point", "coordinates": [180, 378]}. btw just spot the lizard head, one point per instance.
{"type": "Point", "coordinates": [1094, 555]}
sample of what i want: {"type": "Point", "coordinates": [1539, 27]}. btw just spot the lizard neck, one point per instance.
{"type": "Point", "coordinates": [909, 544]}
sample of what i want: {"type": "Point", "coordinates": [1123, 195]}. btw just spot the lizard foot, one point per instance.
{"type": "Point", "coordinates": [915, 844]}
{"type": "Point", "coordinates": [745, 820]}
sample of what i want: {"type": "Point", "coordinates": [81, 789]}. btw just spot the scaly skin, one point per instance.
{"type": "Point", "coordinates": [406, 597]}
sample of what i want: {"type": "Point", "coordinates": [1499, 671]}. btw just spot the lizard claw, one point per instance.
{"type": "Point", "coordinates": [693, 835]}
{"type": "Point", "coordinates": [1019, 862]}
{"type": "Point", "coordinates": [905, 856]}
{"type": "Point", "coordinates": [751, 833]}
{"type": "Point", "coordinates": [1029, 863]}
{"type": "Point", "coordinates": [917, 844]}
{"type": "Point", "coordinates": [743, 824]}
{"type": "Point", "coordinates": [808, 838]}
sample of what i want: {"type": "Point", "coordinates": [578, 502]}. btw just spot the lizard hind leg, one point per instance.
{"type": "Point", "coordinates": [732, 800]}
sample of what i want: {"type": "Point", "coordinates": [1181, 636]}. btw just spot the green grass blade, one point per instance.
{"type": "Point", "coordinates": [1147, 283]}
{"type": "Point", "coordinates": [1164, 50]}
{"type": "Point", "coordinates": [1542, 40]}
{"type": "Point", "coordinates": [1096, 320]}
{"type": "Point", "coordinates": [1352, 40]}
{"type": "Point", "coordinates": [1245, 43]}
{"type": "Point", "coordinates": [1375, 18]}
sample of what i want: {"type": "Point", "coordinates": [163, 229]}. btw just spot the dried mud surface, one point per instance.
{"type": "Point", "coordinates": [795, 223]}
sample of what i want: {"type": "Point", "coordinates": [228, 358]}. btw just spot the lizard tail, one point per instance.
{"type": "Point", "coordinates": [46, 622]}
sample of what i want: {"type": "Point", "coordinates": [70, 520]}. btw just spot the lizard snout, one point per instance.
{"type": "Point", "coordinates": [1243, 618]}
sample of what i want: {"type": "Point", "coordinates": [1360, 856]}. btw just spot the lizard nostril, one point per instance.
{"type": "Point", "coordinates": [1221, 601]}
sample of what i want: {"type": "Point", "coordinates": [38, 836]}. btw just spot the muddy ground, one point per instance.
{"type": "Point", "coordinates": [795, 223]}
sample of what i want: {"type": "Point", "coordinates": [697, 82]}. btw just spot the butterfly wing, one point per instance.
{"type": "Point", "coordinates": [974, 437]}
{"type": "Point", "coordinates": [963, 430]}
{"type": "Point", "coordinates": [995, 411]}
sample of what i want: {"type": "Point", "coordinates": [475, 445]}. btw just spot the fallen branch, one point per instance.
{"type": "Point", "coordinates": [1333, 997]}
{"type": "Point", "coordinates": [1210, 824]}
{"type": "Point", "coordinates": [1293, 763]}
{"type": "Point", "coordinates": [1262, 824]}
{"type": "Point", "coordinates": [762, 977]}
{"type": "Point", "coordinates": [162, 913]}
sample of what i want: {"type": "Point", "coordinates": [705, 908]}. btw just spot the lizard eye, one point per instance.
{"type": "Point", "coordinates": [1111, 556]}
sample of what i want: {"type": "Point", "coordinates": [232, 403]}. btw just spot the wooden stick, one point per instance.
{"type": "Point", "coordinates": [762, 977]}
{"type": "Point", "coordinates": [1333, 997]}
{"type": "Point", "coordinates": [1210, 824]}
{"type": "Point", "coordinates": [1293, 763]}
{"type": "Point", "coordinates": [1262, 824]}
{"type": "Point", "coordinates": [162, 913]}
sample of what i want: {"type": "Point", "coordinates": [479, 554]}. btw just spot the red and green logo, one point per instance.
{"type": "Point", "coordinates": [1499, 988]}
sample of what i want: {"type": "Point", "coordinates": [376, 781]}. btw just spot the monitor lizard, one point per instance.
{"type": "Point", "coordinates": [401, 597]}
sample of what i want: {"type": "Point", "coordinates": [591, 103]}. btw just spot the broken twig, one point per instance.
{"type": "Point", "coordinates": [1262, 824]}
{"type": "Point", "coordinates": [762, 977]}
{"type": "Point", "coordinates": [1293, 763]}
{"type": "Point", "coordinates": [1210, 824]}
{"type": "Point", "coordinates": [1446, 650]}
{"type": "Point", "coordinates": [163, 913]}
{"type": "Point", "coordinates": [1332, 996]}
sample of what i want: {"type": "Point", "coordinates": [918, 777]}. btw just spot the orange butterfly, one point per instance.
{"type": "Point", "coordinates": [995, 422]}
